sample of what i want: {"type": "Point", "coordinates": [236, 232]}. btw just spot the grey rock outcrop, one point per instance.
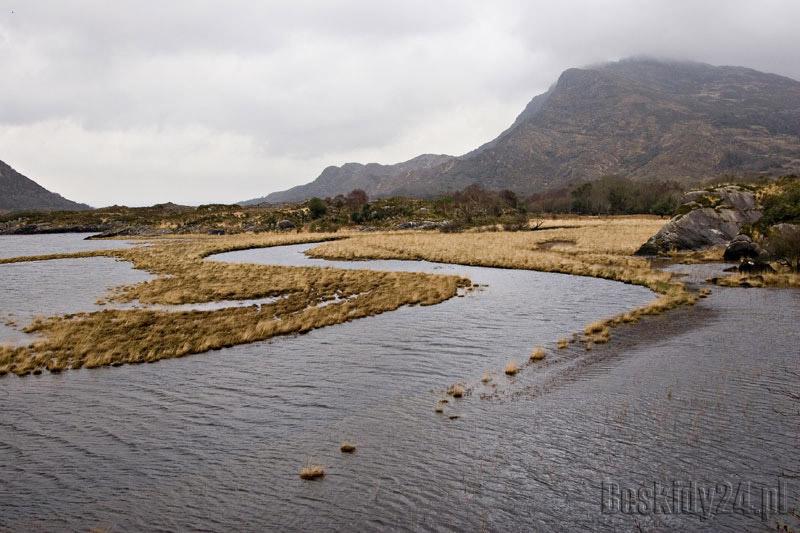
{"type": "Point", "coordinates": [706, 218]}
{"type": "Point", "coordinates": [743, 247]}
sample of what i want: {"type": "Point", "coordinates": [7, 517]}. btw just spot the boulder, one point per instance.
{"type": "Point", "coordinates": [285, 224]}
{"type": "Point", "coordinates": [743, 247]}
{"type": "Point", "coordinates": [749, 266]}
{"type": "Point", "coordinates": [706, 218]}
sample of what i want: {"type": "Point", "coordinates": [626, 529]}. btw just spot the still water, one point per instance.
{"type": "Point", "coordinates": [215, 441]}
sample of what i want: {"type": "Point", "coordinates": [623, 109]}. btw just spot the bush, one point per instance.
{"type": "Point", "coordinates": [783, 244]}
{"type": "Point", "coordinates": [784, 206]}
{"type": "Point", "coordinates": [317, 207]}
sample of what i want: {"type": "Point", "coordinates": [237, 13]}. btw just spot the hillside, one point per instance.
{"type": "Point", "coordinates": [640, 118]}
{"type": "Point", "coordinates": [18, 193]}
{"type": "Point", "coordinates": [378, 179]}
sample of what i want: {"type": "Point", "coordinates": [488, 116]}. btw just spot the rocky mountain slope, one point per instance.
{"type": "Point", "coordinates": [18, 193]}
{"type": "Point", "coordinates": [377, 180]}
{"type": "Point", "coordinates": [640, 118]}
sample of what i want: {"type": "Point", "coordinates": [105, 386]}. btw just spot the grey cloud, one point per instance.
{"type": "Point", "coordinates": [285, 88]}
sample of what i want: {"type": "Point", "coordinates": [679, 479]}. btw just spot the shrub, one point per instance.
{"type": "Point", "coordinates": [783, 244]}
{"type": "Point", "coordinates": [317, 207]}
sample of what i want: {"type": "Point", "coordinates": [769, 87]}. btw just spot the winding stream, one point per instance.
{"type": "Point", "coordinates": [214, 441]}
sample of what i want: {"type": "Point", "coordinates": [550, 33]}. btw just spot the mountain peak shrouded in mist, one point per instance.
{"type": "Point", "coordinates": [641, 117]}
{"type": "Point", "coordinates": [19, 193]}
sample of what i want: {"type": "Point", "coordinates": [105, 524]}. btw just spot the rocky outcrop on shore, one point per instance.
{"type": "Point", "coordinates": [706, 218]}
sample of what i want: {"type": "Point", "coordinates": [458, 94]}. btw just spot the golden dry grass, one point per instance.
{"type": "Point", "coordinates": [587, 246]}
{"type": "Point", "coordinates": [114, 337]}
{"type": "Point", "coordinates": [512, 368]}
{"type": "Point", "coordinates": [779, 279]}
{"type": "Point", "coordinates": [537, 354]}
{"type": "Point", "coordinates": [312, 472]}
{"type": "Point", "coordinates": [590, 246]}
{"type": "Point", "coordinates": [456, 390]}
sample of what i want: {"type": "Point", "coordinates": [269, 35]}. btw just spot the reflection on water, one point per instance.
{"type": "Point", "coordinates": [214, 441]}
{"type": "Point", "coordinates": [56, 287]}
{"type": "Point", "coordinates": [20, 245]}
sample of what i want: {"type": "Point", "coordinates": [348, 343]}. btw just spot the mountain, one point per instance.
{"type": "Point", "coordinates": [640, 118]}
{"type": "Point", "coordinates": [377, 180]}
{"type": "Point", "coordinates": [18, 193]}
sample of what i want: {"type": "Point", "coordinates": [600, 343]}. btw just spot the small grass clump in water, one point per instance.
{"type": "Point", "coordinates": [456, 390]}
{"type": "Point", "coordinates": [312, 472]}
{"type": "Point", "coordinates": [486, 378]}
{"type": "Point", "coordinates": [512, 368]}
{"type": "Point", "coordinates": [563, 343]}
{"type": "Point", "coordinates": [347, 447]}
{"type": "Point", "coordinates": [537, 354]}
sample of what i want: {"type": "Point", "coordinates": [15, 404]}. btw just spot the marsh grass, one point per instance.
{"type": "Point", "coordinates": [456, 390]}
{"type": "Point", "coordinates": [537, 354]}
{"type": "Point", "coordinates": [779, 279]}
{"type": "Point", "coordinates": [312, 297]}
{"type": "Point", "coordinates": [590, 246]}
{"type": "Point", "coordinates": [128, 336]}
{"type": "Point", "coordinates": [347, 447]}
{"type": "Point", "coordinates": [511, 368]}
{"type": "Point", "coordinates": [310, 472]}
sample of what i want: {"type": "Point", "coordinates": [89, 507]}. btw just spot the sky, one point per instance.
{"type": "Point", "coordinates": [198, 101]}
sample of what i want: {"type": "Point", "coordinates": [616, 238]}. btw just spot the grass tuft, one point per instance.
{"type": "Point", "coordinates": [537, 354]}
{"type": "Point", "coordinates": [456, 390]}
{"type": "Point", "coordinates": [512, 368]}
{"type": "Point", "coordinates": [312, 472]}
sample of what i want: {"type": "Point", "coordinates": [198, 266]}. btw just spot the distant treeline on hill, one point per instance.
{"type": "Point", "coordinates": [471, 207]}
{"type": "Point", "coordinates": [611, 195]}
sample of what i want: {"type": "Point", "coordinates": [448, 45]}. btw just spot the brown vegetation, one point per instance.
{"type": "Point", "coordinates": [586, 246]}
{"type": "Point", "coordinates": [512, 368]}
{"type": "Point", "coordinates": [312, 472]}
{"type": "Point", "coordinates": [456, 390]}
{"type": "Point", "coordinates": [113, 337]}
{"type": "Point", "coordinates": [537, 354]}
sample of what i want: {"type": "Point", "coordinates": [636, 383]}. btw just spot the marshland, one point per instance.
{"type": "Point", "coordinates": [538, 375]}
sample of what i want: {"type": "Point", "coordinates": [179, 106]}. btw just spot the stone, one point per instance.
{"type": "Point", "coordinates": [743, 247]}
{"type": "Point", "coordinates": [706, 218]}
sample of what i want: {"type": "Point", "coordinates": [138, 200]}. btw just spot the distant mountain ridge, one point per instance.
{"type": "Point", "coordinates": [641, 118]}
{"type": "Point", "coordinates": [375, 178]}
{"type": "Point", "coordinates": [19, 193]}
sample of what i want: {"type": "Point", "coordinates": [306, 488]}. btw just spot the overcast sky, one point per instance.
{"type": "Point", "coordinates": [193, 101]}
